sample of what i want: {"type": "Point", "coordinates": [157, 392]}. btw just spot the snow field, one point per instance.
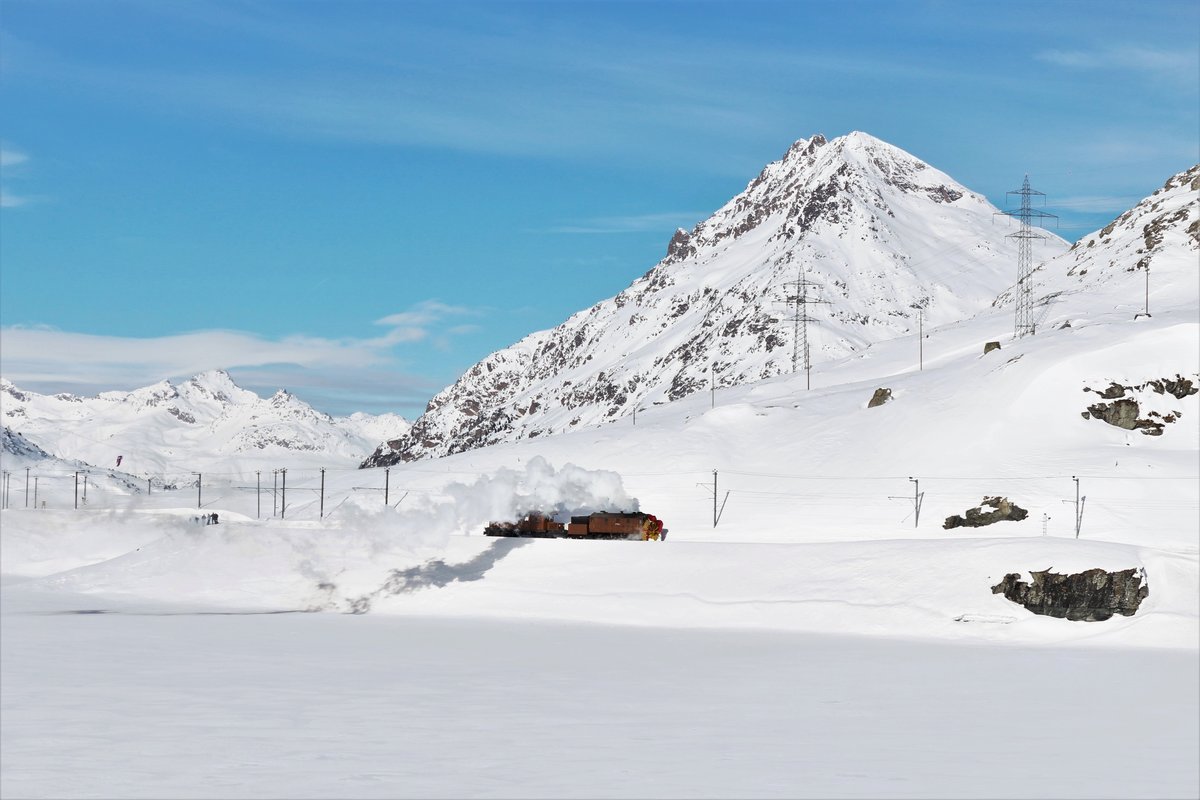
{"type": "Point", "coordinates": [323, 706]}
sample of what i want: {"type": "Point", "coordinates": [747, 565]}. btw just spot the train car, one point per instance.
{"type": "Point", "coordinates": [534, 525]}
{"type": "Point", "coordinates": [634, 526]}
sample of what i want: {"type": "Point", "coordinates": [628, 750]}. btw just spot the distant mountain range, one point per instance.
{"type": "Point", "coordinates": [869, 236]}
{"type": "Point", "coordinates": [166, 428]}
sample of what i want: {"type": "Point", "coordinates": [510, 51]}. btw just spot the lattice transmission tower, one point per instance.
{"type": "Point", "coordinates": [1024, 324]}
{"type": "Point", "coordinates": [800, 301]}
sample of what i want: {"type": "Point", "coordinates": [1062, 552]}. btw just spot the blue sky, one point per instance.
{"type": "Point", "coordinates": [358, 200]}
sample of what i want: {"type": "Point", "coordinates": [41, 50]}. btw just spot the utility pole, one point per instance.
{"type": "Point", "coordinates": [1079, 501]}
{"type": "Point", "coordinates": [386, 484]}
{"type": "Point", "coordinates": [1024, 325]}
{"type": "Point", "coordinates": [716, 511]}
{"type": "Point", "coordinates": [35, 490]}
{"type": "Point", "coordinates": [85, 483]}
{"type": "Point", "coordinates": [76, 490]}
{"type": "Point", "coordinates": [1146, 311]}
{"type": "Point", "coordinates": [275, 493]}
{"type": "Point", "coordinates": [1147, 288]}
{"type": "Point", "coordinates": [199, 480]}
{"type": "Point", "coordinates": [917, 499]}
{"type": "Point", "coordinates": [147, 487]}
{"type": "Point", "coordinates": [258, 494]}
{"type": "Point", "coordinates": [921, 339]}
{"type": "Point", "coordinates": [918, 496]}
{"type": "Point", "coordinates": [27, 487]}
{"type": "Point", "coordinates": [283, 499]}
{"type": "Point", "coordinates": [322, 512]}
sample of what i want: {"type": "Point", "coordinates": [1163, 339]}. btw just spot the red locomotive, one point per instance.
{"type": "Point", "coordinates": [601, 525]}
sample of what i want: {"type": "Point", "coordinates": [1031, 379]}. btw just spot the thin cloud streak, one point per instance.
{"type": "Point", "coordinates": [10, 158]}
{"type": "Point", "coordinates": [57, 360]}
{"type": "Point", "coordinates": [379, 97]}
{"type": "Point", "coordinates": [638, 223]}
{"type": "Point", "coordinates": [1124, 58]}
{"type": "Point", "coordinates": [1097, 203]}
{"type": "Point", "coordinates": [10, 200]}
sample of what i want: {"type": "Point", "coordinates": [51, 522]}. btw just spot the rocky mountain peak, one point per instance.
{"type": "Point", "coordinates": [879, 231]}
{"type": "Point", "coordinates": [820, 183]}
{"type": "Point", "coordinates": [804, 147]}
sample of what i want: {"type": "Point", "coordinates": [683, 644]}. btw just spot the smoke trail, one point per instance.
{"type": "Point", "coordinates": [510, 494]}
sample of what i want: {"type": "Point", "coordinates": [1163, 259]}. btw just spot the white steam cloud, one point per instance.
{"type": "Point", "coordinates": [505, 496]}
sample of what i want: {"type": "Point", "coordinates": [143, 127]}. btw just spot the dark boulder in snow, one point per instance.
{"type": "Point", "coordinates": [976, 517]}
{"type": "Point", "coordinates": [881, 396]}
{"type": "Point", "coordinates": [1089, 596]}
{"type": "Point", "coordinates": [1125, 412]}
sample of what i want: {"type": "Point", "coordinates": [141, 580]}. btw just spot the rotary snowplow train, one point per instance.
{"type": "Point", "coordinates": [601, 525]}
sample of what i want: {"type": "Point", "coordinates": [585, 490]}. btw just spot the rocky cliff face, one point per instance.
{"type": "Point", "coordinates": [880, 234]}
{"type": "Point", "coordinates": [1089, 596]}
{"type": "Point", "coordinates": [14, 444]}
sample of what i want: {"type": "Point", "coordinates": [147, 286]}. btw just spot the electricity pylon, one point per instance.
{"type": "Point", "coordinates": [1024, 324]}
{"type": "Point", "coordinates": [800, 302]}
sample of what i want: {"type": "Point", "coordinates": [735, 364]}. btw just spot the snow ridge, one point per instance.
{"type": "Point", "coordinates": [205, 418]}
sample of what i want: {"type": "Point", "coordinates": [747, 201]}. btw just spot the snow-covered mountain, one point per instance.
{"type": "Point", "coordinates": [166, 428]}
{"type": "Point", "coordinates": [880, 235]}
{"type": "Point", "coordinates": [1159, 236]}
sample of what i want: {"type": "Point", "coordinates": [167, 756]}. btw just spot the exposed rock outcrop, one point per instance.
{"type": "Point", "coordinates": [976, 517]}
{"type": "Point", "coordinates": [1089, 596]}
{"type": "Point", "coordinates": [1125, 412]}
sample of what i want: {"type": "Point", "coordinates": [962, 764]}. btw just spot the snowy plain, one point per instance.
{"type": "Point", "coordinates": [153, 700]}
{"type": "Point", "coordinates": [801, 632]}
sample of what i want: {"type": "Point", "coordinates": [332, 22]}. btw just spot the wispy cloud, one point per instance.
{"type": "Point", "coordinates": [10, 200]}
{"type": "Point", "coordinates": [1097, 203]}
{"type": "Point", "coordinates": [538, 89]}
{"type": "Point", "coordinates": [10, 158]}
{"type": "Point", "coordinates": [636, 223]}
{"type": "Point", "coordinates": [1125, 57]}
{"type": "Point", "coordinates": [48, 359]}
{"type": "Point", "coordinates": [418, 323]}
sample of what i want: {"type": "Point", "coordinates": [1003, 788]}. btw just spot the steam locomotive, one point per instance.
{"type": "Point", "coordinates": [601, 525]}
